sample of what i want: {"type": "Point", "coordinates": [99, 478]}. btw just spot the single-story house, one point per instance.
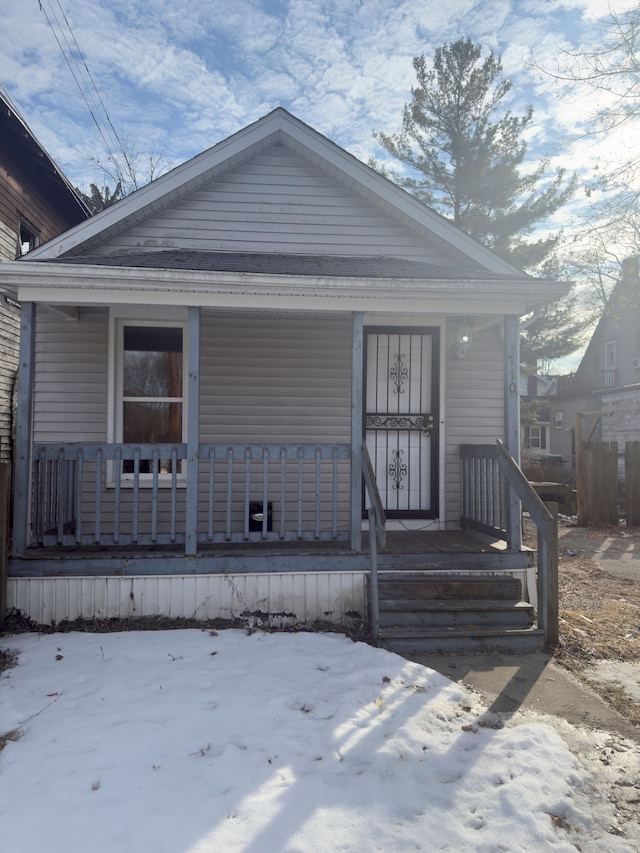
{"type": "Point", "coordinates": [233, 378]}
{"type": "Point", "coordinates": [604, 392]}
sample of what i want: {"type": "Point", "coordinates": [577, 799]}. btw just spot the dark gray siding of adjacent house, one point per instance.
{"type": "Point", "coordinates": [35, 205]}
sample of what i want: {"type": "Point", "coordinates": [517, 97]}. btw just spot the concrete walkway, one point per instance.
{"type": "Point", "coordinates": [531, 682]}
{"type": "Point", "coordinates": [616, 550]}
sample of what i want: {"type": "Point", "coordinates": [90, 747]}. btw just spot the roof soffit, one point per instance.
{"type": "Point", "coordinates": [76, 283]}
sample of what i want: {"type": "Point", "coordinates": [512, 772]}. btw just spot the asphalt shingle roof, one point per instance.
{"type": "Point", "coordinates": [278, 264]}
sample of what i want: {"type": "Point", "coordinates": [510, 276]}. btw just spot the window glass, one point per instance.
{"type": "Point", "coordinates": [152, 362]}
{"type": "Point", "coordinates": [610, 355]}
{"type": "Point", "coordinates": [28, 239]}
{"type": "Point", "coordinates": [152, 389]}
{"type": "Point", "coordinates": [535, 438]}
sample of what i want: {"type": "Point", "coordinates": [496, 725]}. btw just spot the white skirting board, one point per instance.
{"type": "Point", "coordinates": [271, 599]}
{"type": "Point", "coordinates": [276, 600]}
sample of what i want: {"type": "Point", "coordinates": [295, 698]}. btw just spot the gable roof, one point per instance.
{"type": "Point", "coordinates": [621, 311]}
{"type": "Point", "coordinates": [20, 144]}
{"type": "Point", "coordinates": [277, 127]}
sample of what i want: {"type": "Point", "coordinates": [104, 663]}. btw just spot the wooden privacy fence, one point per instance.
{"type": "Point", "coordinates": [632, 483]}
{"type": "Point", "coordinates": [597, 478]}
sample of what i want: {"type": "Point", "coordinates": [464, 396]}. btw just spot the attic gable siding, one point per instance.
{"type": "Point", "coordinates": [275, 202]}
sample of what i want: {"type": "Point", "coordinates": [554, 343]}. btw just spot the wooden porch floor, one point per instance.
{"type": "Point", "coordinates": [412, 550]}
{"type": "Point", "coordinates": [399, 542]}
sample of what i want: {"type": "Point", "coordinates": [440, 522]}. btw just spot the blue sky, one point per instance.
{"type": "Point", "coordinates": [176, 77]}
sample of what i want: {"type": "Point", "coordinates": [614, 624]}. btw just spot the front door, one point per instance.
{"type": "Point", "coordinates": [401, 418]}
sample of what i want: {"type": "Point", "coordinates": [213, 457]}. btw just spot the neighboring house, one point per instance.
{"type": "Point", "coordinates": [205, 361]}
{"type": "Point", "coordinates": [608, 378]}
{"type": "Point", "coordinates": [36, 204]}
{"type": "Point", "coordinates": [535, 436]}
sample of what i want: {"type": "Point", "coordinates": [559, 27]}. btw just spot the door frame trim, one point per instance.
{"type": "Point", "coordinates": [436, 401]}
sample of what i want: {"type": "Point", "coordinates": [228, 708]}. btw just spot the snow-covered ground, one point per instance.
{"type": "Point", "coordinates": [189, 741]}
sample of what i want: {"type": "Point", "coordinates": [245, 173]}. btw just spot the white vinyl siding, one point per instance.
{"type": "Point", "coordinates": [264, 380]}
{"type": "Point", "coordinates": [9, 348]}
{"type": "Point", "coordinates": [289, 598]}
{"type": "Point", "coordinates": [276, 203]}
{"type": "Point", "coordinates": [287, 379]}
{"type": "Point", "coordinates": [71, 369]}
{"type": "Point", "coordinates": [277, 379]}
{"type": "Point", "coordinates": [8, 242]}
{"type": "Point", "coordinates": [474, 406]}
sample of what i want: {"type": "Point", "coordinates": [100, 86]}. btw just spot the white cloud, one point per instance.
{"type": "Point", "coordinates": [178, 77]}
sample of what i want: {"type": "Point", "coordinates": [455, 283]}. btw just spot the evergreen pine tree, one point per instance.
{"type": "Point", "coordinates": [464, 153]}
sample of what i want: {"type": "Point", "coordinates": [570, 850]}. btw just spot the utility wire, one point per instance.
{"type": "Point", "coordinates": [93, 102]}
{"type": "Point", "coordinates": [90, 76]}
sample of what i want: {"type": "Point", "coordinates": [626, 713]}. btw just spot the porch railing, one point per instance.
{"type": "Point", "coordinates": [586, 381]}
{"type": "Point", "coordinates": [377, 535]}
{"type": "Point", "coordinates": [123, 494]}
{"type": "Point", "coordinates": [489, 474]}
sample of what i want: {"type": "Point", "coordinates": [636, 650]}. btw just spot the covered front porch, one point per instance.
{"type": "Point", "coordinates": [277, 568]}
{"type": "Point", "coordinates": [98, 502]}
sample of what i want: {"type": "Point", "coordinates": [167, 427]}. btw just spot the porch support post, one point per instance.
{"type": "Point", "coordinates": [512, 421]}
{"type": "Point", "coordinates": [24, 426]}
{"type": "Point", "coordinates": [357, 369]}
{"type": "Point", "coordinates": [193, 431]}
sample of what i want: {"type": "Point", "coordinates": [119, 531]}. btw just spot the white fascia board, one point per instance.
{"type": "Point", "coordinates": [71, 284]}
{"type": "Point", "coordinates": [353, 169]}
{"type": "Point", "coordinates": [314, 303]}
{"type": "Point", "coordinates": [179, 181]}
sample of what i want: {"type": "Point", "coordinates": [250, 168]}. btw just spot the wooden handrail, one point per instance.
{"type": "Point", "coordinates": [488, 509]}
{"type": "Point", "coordinates": [546, 522]}
{"type": "Point", "coordinates": [374, 496]}
{"type": "Point", "coordinates": [377, 535]}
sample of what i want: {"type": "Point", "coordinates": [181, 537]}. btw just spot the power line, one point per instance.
{"type": "Point", "coordinates": [88, 90]}
{"type": "Point", "coordinates": [89, 74]}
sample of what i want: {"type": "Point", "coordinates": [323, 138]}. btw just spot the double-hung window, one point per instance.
{"type": "Point", "coordinates": [150, 389]}
{"type": "Point", "coordinates": [535, 437]}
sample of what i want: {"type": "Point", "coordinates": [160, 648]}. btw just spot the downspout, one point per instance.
{"type": "Point", "coordinates": [24, 428]}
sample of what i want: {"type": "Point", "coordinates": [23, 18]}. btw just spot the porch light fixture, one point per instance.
{"type": "Point", "coordinates": [464, 337]}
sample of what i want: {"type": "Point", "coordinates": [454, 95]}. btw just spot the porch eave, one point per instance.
{"type": "Point", "coordinates": [75, 284]}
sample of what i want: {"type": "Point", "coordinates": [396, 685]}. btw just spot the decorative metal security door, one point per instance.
{"type": "Point", "coordinates": [401, 418]}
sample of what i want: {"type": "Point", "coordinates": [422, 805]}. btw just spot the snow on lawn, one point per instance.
{"type": "Point", "coordinates": [188, 741]}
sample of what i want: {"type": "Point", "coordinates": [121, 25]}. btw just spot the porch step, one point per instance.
{"type": "Point", "coordinates": [423, 612]}
{"type": "Point", "coordinates": [438, 586]}
{"type": "Point", "coordinates": [416, 641]}
{"type": "Point", "coordinates": [452, 612]}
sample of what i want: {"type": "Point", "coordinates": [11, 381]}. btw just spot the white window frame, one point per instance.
{"type": "Point", "coordinates": [540, 437]}
{"type": "Point", "coordinates": [120, 317]}
{"type": "Point", "coordinates": [610, 355]}
{"type": "Point", "coordinates": [558, 420]}
{"type": "Point", "coordinates": [28, 238]}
